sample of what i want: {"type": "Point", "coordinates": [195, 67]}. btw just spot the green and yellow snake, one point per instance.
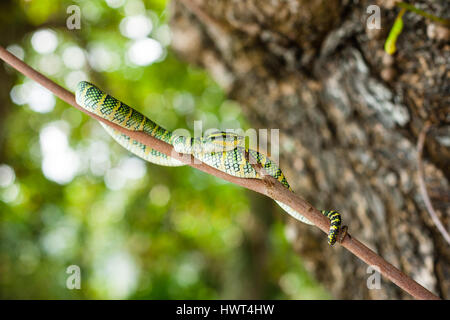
{"type": "Point", "coordinates": [223, 151]}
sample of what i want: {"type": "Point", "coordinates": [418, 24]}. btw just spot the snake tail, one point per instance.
{"type": "Point", "coordinates": [335, 224]}
{"type": "Point", "coordinates": [273, 170]}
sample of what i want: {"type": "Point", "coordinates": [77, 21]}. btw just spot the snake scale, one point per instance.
{"type": "Point", "coordinates": [223, 151]}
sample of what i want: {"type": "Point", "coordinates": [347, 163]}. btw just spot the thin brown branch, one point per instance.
{"type": "Point", "coordinates": [423, 187]}
{"type": "Point", "coordinates": [203, 16]}
{"type": "Point", "coordinates": [269, 187]}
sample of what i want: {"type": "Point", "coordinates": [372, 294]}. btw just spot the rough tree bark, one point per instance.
{"type": "Point", "coordinates": [349, 117]}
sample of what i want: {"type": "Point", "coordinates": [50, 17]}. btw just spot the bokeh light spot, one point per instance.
{"type": "Point", "coordinates": [160, 195]}
{"type": "Point", "coordinates": [60, 163]}
{"type": "Point", "coordinates": [73, 78]}
{"type": "Point", "coordinates": [16, 50]}
{"type": "Point", "coordinates": [115, 3]}
{"type": "Point", "coordinates": [7, 175]}
{"type": "Point", "coordinates": [136, 27]}
{"type": "Point", "coordinates": [73, 57]}
{"type": "Point", "coordinates": [39, 99]}
{"type": "Point", "coordinates": [133, 168]}
{"type": "Point", "coordinates": [50, 64]}
{"type": "Point", "coordinates": [144, 52]}
{"type": "Point", "coordinates": [102, 59]}
{"type": "Point", "coordinates": [44, 41]}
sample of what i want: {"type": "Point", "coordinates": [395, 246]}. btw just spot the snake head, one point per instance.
{"type": "Point", "coordinates": [221, 141]}
{"type": "Point", "coordinates": [215, 142]}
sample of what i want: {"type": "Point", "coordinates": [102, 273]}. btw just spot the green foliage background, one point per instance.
{"type": "Point", "coordinates": [164, 233]}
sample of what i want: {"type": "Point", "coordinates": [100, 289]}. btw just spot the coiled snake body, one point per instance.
{"type": "Point", "coordinates": [223, 151]}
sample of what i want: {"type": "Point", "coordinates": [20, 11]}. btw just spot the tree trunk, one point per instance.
{"type": "Point", "coordinates": [349, 117]}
